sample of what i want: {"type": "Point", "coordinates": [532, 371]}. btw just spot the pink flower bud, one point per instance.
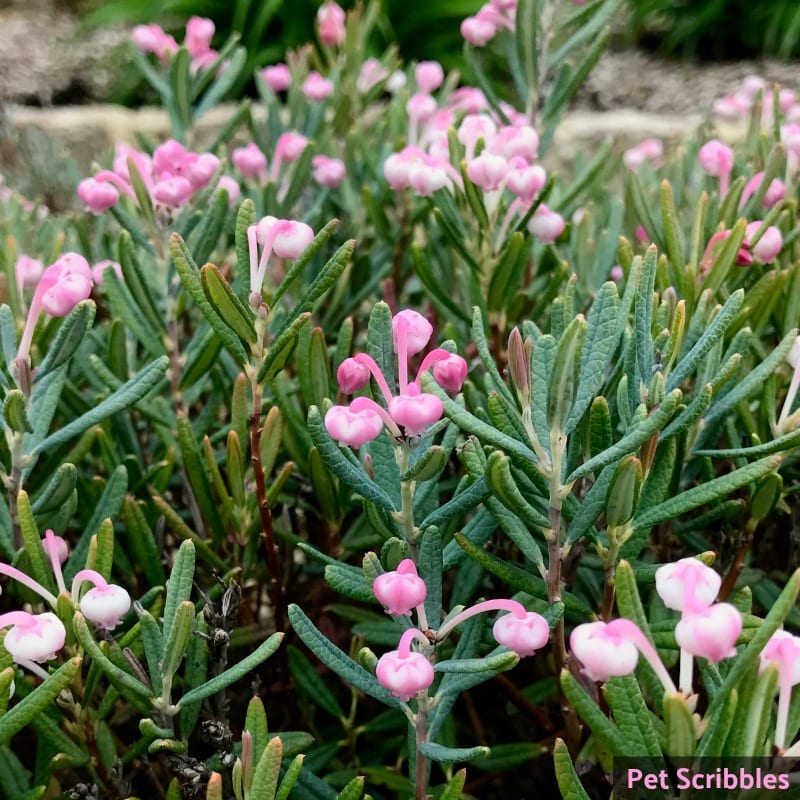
{"type": "Point", "coordinates": [250, 161]}
{"type": "Point", "coordinates": [64, 284]}
{"type": "Point", "coordinates": [415, 411]}
{"type": "Point", "coordinates": [231, 187]}
{"type": "Point", "coordinates": [396, 168]}
{"type": "Point", "coordinates": [716, 159]}
{"type": "Point", "coordinates": [316, 88]}
{"type": "Point", "coordinates": [429, 76]}
{"type": "Point", "coordinates": [330, 18]}
{"type": "Point", "coordinates": [290, 146]}
{"type": "Point", "coordinates": [421, 107]}
{"type": "Point", "coordinates": [199, 33]}
{"type": "Point", "coordinates": [450, 373]}
{"type": "Point", "coordinates": [291, 238]}
{"type": "Point", "coordinates": [396, 82]}
{"type": "Point", "coordinates": [616, 273]}
{"type": "Point", "coordinates": [524, 635]}
{"type": "Point", "coordinates": [33, 637]}
{"type": "Point", "coordinates": [478, 31]}
{"type": "Point", "coordinates": [774, 194]}
{"type": "Point", "coordinates": [372, 72]}
{"type": "Point", "coordinates": [400, 590]}
{"type": "Point", "coordinates": [468, 99]}
{"type": "Point", "coordinates": [524, 181]}
{"type": "Point", "coordinates": [172, 192]}
{"type": "Point", "coordinates": [427, 178]}
{"type": "Point", "coordinates": [106, 605]}
{"type": "Point", "coordinates": [201, 170]}
{"type": "Point", "coordinates": [329, 172]}
{"type": "Point", "coordinates": [730, 107]}
{"type": "Point", "coordinates": [29, 271]}
{"type": "Point", "coordinates": [352, 375]}
{"type": "Point", "coordinates": [768, 246]}
{"type": "Point", "coordinates": [169, 159]}
{"type": "Point", "coordinates": [404, 676]}
{"type": "Point", "coordinates": [710, 632]}
{"type": "Point", "coordinates": [98, 196]}
{"type": "Point", "coordinates": [687, 580]}
{"type": "Point", "coordinates": [277, 77]}
{"type": "Point", "coordinates": [516, 141]}
{"type": "Point", "coordinates": [546, 225]}
{"type": "Point", "coordinates": [783, 649]}
{"type": "Point", "coordinates": [153, 39]}
{"type": "Point", "coordinates": [101, 266]}
{"type": "Point", "coordinates": [415, 330]}
{"type": "Point", "coordinates": [651, 150]}
{"type": "Point", "coordinates": [55, 546]}
{"type": "Point", "coordinates": [604, 652]}
{"type": "Point", "coordinates": [353, 428]}
{"type": "Point", "coordinates": [751, 86]}
{"type": "Point", "coordinates": [487, 171]}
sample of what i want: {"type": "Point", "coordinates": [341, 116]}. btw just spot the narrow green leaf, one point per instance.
{"type": "Point", "coordinates": [563, 381]}
{"type": "Point", "coordinates": [281, 348]}
{"type": "Point", "coordinates": [30, 707]}
{"type": "Point", "coordinates": [267, 771]}
{"type": "Point", "coordinates": [340, 466]}
{"type": "Point", "coordinates": [126, 396]}
{"type": "Point", "coordinates": [455, 786]}
{"type": "Point", "coordinates": [601, 341]}
{"type": "Point", "coordinates": [179, 585]}
{"type": "Point", "coordinates": [234, 673]}
{"type": "Point", "coordinates": [336, 660]}
{"type": "Point", "coordinates": [633, 439]}
{"type": "Point", "coordinates": [31, 540]}
{"type": "Point", "coordinates": [229, 307]}
{"type": "Point", "coordinates": [308, 680]}
{"type": "Point", "coordinates": [712, 334]}
{"type": "Point", "coordinates": [180, 631]}
{"type": "Point", "coordinates": [449, 755]}
{"type": "Point", "coordinates": [681, 738]}
{"type": "Point", "coordinates": [68, 339]}
{"type": "Point", "coordinates": [190, 276]}
{"type": "Point", "coordinates": [602, 727]}
{"type": "Point", "coordinates": [632, 715]}
{"type": "Point", "coordinates": [118, 676]}
{"type": "Point", "coordinates": [714, 489]}
{"type": "Point", "coordinates": [353, 791]}
{"type": "Point", "coordinates": [567, 778]}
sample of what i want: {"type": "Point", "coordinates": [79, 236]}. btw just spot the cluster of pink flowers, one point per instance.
{"type": "Point", "coordinates": [252, 162]}
{"type": "Point", "coordinates": [172, 175]}
{"type": "Point", "coordinates": [410, 411]}
{"type": "Point", "coordinates": [706, 629]}
{"type": "Point", "coordinates": [406, 672]}
{"type": "Point", "coordinates": [766, 249]}
{"type": "Point", "coordinates": [199, 33]}
{"type": "Point", "coordinates": [494, 16]}
{"type": "Point", "coordinates": [506, 162]}
{"type": "Point", "coordinates": [33, 639]}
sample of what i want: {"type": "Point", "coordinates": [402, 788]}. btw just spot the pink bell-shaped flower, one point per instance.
{"type": "Point", "coordinates": [352, 375]}
{"type": "Point", "coordinates": [783, 650]}
{"type": "Point", "coordinates": [523, 634]}
{"type": "Point", "coordinates": [687, 580]}
{"type": "Point", "coordinates": [404, 676]}
{"type": "Point", "coordinates": [330, 18]}
{"type": "Point", "coordinates": [64, 284]}
{"type": "Point", "coordinates": [450, 373]}
{"type": "Point", "coordinates": [33, 637]}
{"type": "Point", "coordinates": [477, 31]}
{"type": "Point", "coordinates": [329, 172]}
{"type": "Point", "coordinates": [316, 87]}
{"type": "Point", "coordinates": [487, 171]}
{"type": "Point", "coordinates": [716, 159]}
{"type": "Point", "coordinates": [603, 651]}
{"type": "Point", "coordinates": [415, 410]}
{"type": "Point", "coordinates": [98, 196]}
{"type": "Point", "coordinates": [353, 428]}
{"type": "Point", "coordinates": [429, 76]}
{"type": "Point", "coordinates": [710, 632]}
{"type": "Point", "coordinates": [105, 605]}
{"type": "Point", "coordinates": [768, 246]}
{"type": "Point", "coordinates": [250, 161]}
{"type": "Point", "coordinates": [277, 76]}
{"type": "Point", "coordinates": [173, 192]}
{"type": "Point", "coordinates": [29, 271]}
{"type": "Point", "coordinates": [546, 225]}
{"type": "Point", "coordinates": [413, 328]}
{"type": "Point", "coordinates": [400, 590]}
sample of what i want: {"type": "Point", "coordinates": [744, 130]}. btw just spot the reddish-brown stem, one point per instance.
{"type": "Point", "coordinates": [274, 581]}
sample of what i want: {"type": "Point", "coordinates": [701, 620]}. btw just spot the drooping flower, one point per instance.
{"type": "Point", "coordinates": [400, 590]}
